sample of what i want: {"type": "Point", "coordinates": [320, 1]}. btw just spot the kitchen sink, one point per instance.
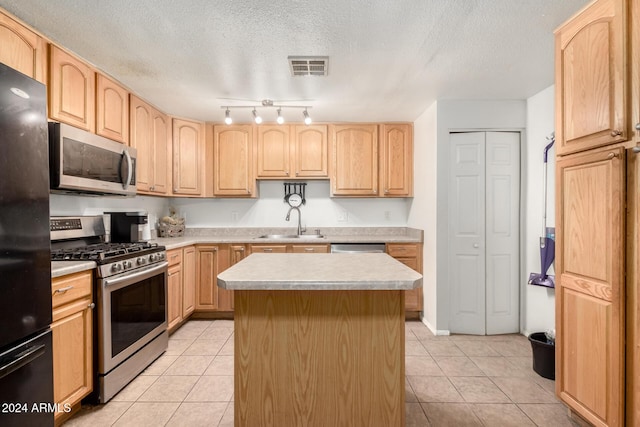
{"type": "Point", "coordinates": [291, 236]}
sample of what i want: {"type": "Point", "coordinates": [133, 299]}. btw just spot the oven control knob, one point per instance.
{"type": "Point", "coordinates": [127, 264]}
{"type": "Point", "coordinates": [153, 257]}
{"type": "Point", "coordinates": [140, 261]}
{"type": "Point", "coordinates": [116, 267]}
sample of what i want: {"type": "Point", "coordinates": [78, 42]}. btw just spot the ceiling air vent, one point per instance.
{"type": "Point", "coordinates": [309, 65]}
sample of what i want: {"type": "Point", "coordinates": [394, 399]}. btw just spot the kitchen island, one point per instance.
{"type": "Point", "coordinates": [319, 339]}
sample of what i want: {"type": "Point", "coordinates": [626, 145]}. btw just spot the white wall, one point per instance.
{"type": "Point", "coordinates": [422, 209]}
{"type": "Point", "coordinates": [269, 210]}
{"type": "Point", "coordinates": [62, 204]}
{"type": "Point", "coordinates": [539, 302]}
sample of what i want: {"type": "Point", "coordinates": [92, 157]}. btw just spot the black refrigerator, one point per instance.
{"type": "Point", "coordinates": [26, 360]}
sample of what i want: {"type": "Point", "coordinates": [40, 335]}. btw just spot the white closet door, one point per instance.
{"type": "Point", "coordinates": [484, 218]}
{"type": "Point", "coordinates": [502, 232]}
{"type": "Point", "coordinates": [466, 233]}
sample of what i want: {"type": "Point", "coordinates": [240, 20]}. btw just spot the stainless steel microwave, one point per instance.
{"type": "Point", "coordinates": [82, 162]}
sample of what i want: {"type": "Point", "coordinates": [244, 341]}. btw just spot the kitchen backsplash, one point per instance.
{"type": "Point", "coordinates": [269, 210]}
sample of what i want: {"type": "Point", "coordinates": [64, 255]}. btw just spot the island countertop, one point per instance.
{"type": "Point", "coordinates": [362, 271]}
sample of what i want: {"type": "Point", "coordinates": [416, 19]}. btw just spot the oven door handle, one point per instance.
{"type": "Point", "coordinates": [136, 276]}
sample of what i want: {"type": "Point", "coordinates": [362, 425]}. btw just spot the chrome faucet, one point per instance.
{"type": "Point", "coordinates": [300, 229]}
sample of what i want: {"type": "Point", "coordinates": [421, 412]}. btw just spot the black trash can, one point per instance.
{"type": "Point", "coordinates": [544, 355]}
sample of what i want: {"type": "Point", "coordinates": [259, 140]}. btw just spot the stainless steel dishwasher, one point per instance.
{"type": "Point", "coordinates": [354, 248]}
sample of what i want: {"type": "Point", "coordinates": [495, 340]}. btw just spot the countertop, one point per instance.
{"type": "Point", "coordinates": [197, 236]}
{"type": "Point", "coordinates": [364, 271]}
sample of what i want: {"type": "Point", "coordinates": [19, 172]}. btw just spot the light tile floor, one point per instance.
{"type": "Point", "coordinates": [457, 380]}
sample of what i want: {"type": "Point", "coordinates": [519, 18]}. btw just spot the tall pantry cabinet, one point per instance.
{"type": "Point", "coordinates": [597, 173]}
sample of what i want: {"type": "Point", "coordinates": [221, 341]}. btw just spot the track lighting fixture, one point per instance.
{"type": "Point", "coordinates": [266, 103]}
{"type": "Point", "coordinates": [256, 117]}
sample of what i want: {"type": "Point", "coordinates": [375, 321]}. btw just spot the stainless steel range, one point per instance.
{"type": "Point", "coordinates": [130, 294]}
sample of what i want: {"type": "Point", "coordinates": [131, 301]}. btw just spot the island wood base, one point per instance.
{"type": "Point", "coordinates": [319, 358]}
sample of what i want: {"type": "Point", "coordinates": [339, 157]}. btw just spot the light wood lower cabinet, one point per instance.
{"type": "Point", "coordinates": [207, 270]}
{"type": "Point", "coordinates": [289, 248]}
{"type": "Point", "coordinates": [72, 331]}
{"type": "Point", "coordinates": [410, 254]}
{"type": "Point", "coordinates": [181, 282]}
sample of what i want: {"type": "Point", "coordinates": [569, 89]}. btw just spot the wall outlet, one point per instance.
{"type": "Point", "coordinates": [343, 216]}
{"type": "Point", "coordinates": [234, 216]}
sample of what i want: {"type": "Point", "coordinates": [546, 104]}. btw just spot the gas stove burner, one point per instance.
{"type": "Point", "coordinates": [104, 252]}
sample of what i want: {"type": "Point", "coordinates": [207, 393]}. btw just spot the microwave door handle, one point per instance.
{"type": "Point", "coordinates": [126, 182]}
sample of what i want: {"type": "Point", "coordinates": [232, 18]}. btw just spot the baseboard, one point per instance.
{"type": "Point", "coordinates": [434, 331]}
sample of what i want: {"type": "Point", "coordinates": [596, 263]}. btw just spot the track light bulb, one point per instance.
{"type": "Point", "coordinates": [280, 119]}
{"type": "Point", "coordinates": [307, 119]}
{"type": "Point", "coordinates": [227, 117]}
{"type": "Point", "coordinates": [256, 117]}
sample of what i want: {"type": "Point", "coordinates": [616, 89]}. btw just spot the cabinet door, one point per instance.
{"type": "Point", "coordinates": [410, 254]}
{"type": "Point", "coordinates": [22, 49]}
{"type": "Point", "coordinates": [72, 352]}
{"type": "Point", "coordinates": [161, 159]}
{"type": "Point", "coordinates": [311, 151]}
{"type": "Point", "coordinates": [188, 156]}
{"type": "Point", "coordinates": [72, 87]}
{"type": "Point", "coordinates": [635, 79]}
{"type": "Point", "coordinates": [174, 296]}
{"type": "Point", "coordinates": [112, 110]}
{"type": "Point", "coordinates": [590, 295]}
{"type": "Point", "coordinates": [355, 160]}
{"type": "Point", "coordinates": [188, 281]}
{"type": "Point", "coordinates": [233, 161]}
{"type": "Point", "coordinates": [142, 140]}
{"type": "Point", "coordinates": [273, 146]}
{"type": "Point", "coordinates": [396, 160]}
{"type": "Point", "coordinates": [633, 290]}
{"type": "Point", "coordinates": [591, 78]}
{"type": "Point", "coordinates": [207, 269]}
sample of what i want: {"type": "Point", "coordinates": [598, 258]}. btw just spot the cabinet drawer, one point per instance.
{"type": "Point", "coordinates": [279, 249]}
{"type": "Point", "coordinates": [398, 251]}
{"type": "Point", "coordinates": [174, 257]}
{"type": "Point", "coordinates": [409, 262]}
{"type": "Point", "coordinates": [310, 249]}
{"type": "Point", "coordinates": [72, 287]}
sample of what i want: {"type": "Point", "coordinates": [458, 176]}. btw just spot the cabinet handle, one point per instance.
{"type": "Point", "coordinates": [267, 250]}
{"type": "Point", "coordinates": [241, 249]}
{"type": "Point", "coordinates": [615, 133]}
{"type": "Point", "coordinates": [63, 290]}
{"type": "Point", "coordinates": [308, 249]}
{"type": "Point", "coordinates": [636, 149]}
{"type": "Point", "coordinates": [92, 306]}
{"type": "Point", "coordinates": [297, 172]}
{"type": "Point", "coordinates": [638, 126]}
{"type": "Point", "coordinates": [612, 155]}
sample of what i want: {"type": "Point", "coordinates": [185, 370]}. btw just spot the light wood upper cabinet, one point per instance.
{"type": "Point", "coordinates": [72, 88]}
{"type": "Point", "coordinates": [590, 294]}
{"type": "Point", "coordinates": [233, 149]}
{"type": "Point", "coordinates": [396, 160]}
{"type": "Point", "coordinates": [22, 49]}
{"type": "Point", "coordinates": [311, 151]}
{"type": "Point", "coordinates": [112, 110]}
{"type": "Point", "coordinates": [274, 151]}
{"type": "Point", "coordinates": [355, 160]}
{"type": "Point", "coordinates": [591, 78]}
{"type": "Point", "coordinates": [150, 135]}
{"type": "Point", "coordinates": [188, 157]}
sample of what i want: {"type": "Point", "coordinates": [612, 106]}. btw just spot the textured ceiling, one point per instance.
{"type": "Point", "coordinates": [388, 59]}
